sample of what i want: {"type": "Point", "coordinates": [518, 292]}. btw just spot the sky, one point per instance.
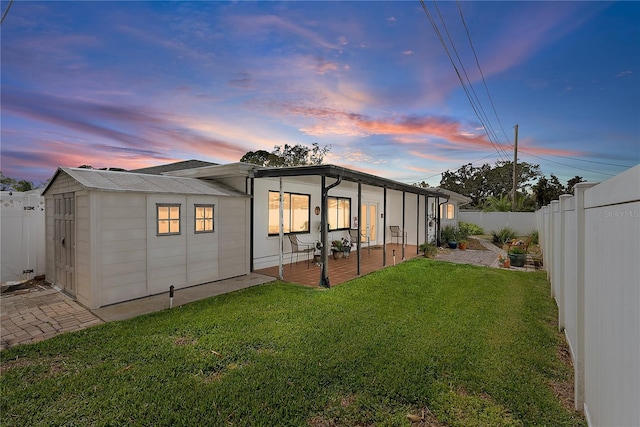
{"type": "Point", "coordinates": [134, 84]}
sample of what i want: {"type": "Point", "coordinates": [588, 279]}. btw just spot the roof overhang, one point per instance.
{"type": "Point", "coordinates": [332, 171]}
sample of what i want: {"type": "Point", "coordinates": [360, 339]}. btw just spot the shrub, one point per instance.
{"type": "Point", "coordinates": [535, 237]}
{"type": "Point", "coordinates": [470, 229]}
{"type": "Point", "coordinates": [428, 249]}
{"type": "Point", "coordinates": [503, 235]}
{"type": "Point", "coordinates": [516, 250]}
{"type": "Point", "coordinates": [449, 233]}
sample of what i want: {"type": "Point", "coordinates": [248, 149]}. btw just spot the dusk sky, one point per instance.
{"type": "Point", "coordinates": [137, 84]}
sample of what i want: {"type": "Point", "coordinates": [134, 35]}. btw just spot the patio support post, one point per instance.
{"type": "Point", "coordinates": [281, 232]}
{"type": "Point", "coordinates": [384, 227]}
{"type": "Point", "coordinates": [426, 218]}
{"type": "Point", "coordinates": [251, 230]}
{"type": "Point", "coordinates": [359, 233]}
{"type": "Point", "coordinates": [417, 224]}
{"type": "Point", "coordinates": [403, 226]}
{"type": "Point", "coordinates": [437, 221]}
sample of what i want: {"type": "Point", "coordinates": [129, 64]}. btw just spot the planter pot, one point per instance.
{"type": "Point", "coordinates": [338, 254]}
{"type": "Point", "coordinates": [452, 245]}
{"type": "Point", "coordinates": [317, 259]}
{"type": "Point", "coordinates": [462, 246]}
{"type": "Point", "coordinates": [518, 260]}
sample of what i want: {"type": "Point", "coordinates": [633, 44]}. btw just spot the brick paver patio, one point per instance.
{"type": "Point", "coordinates": [37, 313]}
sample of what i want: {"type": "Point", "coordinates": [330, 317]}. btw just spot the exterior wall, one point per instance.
{"type": "Point", "coordinates": [233, 249]}
{"type": "Point", "coordinates": [522, 222]}
{"type": "Point", "coordinates": [592, 240]}
{"type": "Point", "coordinates": [83, 254]}
{"type": "Point", "coordinates": [23, 235]}
{"type": "Point", "coordinates": [120, 246]}
{"type": "Point", "coordinates": [266, 248]}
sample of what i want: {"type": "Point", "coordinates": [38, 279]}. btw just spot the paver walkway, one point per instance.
{"type": "Point", "coordinates": [40, 312]}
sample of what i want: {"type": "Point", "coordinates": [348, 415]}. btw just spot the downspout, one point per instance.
{"type": "Point", "coordinates": [324, 270]}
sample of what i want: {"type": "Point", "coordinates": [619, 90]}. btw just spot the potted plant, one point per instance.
{"type": "Point", "coordinates": [337, 249]}
{"type": "Point", "coordinates": [449, 235]}
{"type": "Point", "coordinates": [517, 257]}
{"type": "Point", "coordinates": [462, 245]}
{"type": "Point", "coordinates": [428, 249]}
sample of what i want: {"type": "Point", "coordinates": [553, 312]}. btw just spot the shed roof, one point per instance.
{"type": "Point", "coordinates": [144, 183]}
{"type": "Point", "coordinates": [177, 166]}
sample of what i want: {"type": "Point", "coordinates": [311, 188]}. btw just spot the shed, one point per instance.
{"type": "Point", "coordinates": [117, 236]}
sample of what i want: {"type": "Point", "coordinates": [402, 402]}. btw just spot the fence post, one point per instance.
{"type": "Point", "coordinates": [560, 268]}
{"type": "Point", "coordinates": [581, 230]}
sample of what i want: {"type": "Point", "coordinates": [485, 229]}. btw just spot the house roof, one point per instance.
{"type": "Point", "coordinates": [95, 179]}
{"type": "Point", "coordinates": [331, 171]}
{"type": "Point", "coordinates": [185, 164]}
{"type": "Point", "coordinates": [463, 200]}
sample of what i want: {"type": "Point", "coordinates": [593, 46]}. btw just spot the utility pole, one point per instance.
{"type": "Point", "coordinates": [515, 179]}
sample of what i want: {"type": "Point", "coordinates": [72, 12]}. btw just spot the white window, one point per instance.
{"type": "Point", "coordinates": [168, 219]}
{"type": "Point", "coordinates": [296, 212]}
{"type": "Point", "coordinates": [447, 211]}
{"type": "Point", "coordinates": [204, 218]}
{"type": "Point", "coordinates": [339, 213]}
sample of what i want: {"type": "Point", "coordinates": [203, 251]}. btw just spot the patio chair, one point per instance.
{"type": "Point", "coordinates": [298, 247]}
{"type": "Point", "coordinates": [398, 233]}
{"type": "Point", "coordinates": [353, 236]}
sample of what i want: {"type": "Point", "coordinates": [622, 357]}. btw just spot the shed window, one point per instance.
{"type": "Point", "coordinates": [168, 219]}
{"type": "Point", "coordinates": [339, 213]}
{"type": "Point", "coordinates": [296, 213]}
{"type": "Point", "coordinates": [204, 218]}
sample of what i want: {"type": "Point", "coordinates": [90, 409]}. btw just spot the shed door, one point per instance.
{"type": "Point", "coordinates": [64, 241]}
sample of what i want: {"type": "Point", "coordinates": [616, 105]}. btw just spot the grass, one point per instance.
{"type": "Point", "coordinates": [446, 344]}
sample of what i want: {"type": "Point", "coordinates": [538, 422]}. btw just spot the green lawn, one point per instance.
{"type": "Point", "coordinates": [450, 344]}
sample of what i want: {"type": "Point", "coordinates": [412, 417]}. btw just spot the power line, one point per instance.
{"type": "Point", "coordinates": [464, 23]}
{"type": "Point", "coordinates": [475, 161]}
{"type": "Point", "coordinates": [568, 166]}
{"type": "Point", "coordinates": [485, 121]}
{"type": "Point", "coordinates": [583, 160]}
{"type": "Point", "coordinates": [6, 12]}
{"type": "Point", "coordinates": [498, 148]}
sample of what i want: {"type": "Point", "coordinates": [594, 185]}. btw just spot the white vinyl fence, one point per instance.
{"type": "Point", "coordinates": [22, 252]}
{"type": "Point", "coordinates": [591, 247]}
{"type": "Point", "coordinates": [522, 222]}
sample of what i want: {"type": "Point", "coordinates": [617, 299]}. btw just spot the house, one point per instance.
{"type": "Point", "coordinates": [117, 236]}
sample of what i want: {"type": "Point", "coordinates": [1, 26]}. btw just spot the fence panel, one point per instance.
{"type": "Point", "coordinates": [591, 245]}
{"type": "Point", "coordinates": [22, 227]}
{"type": "Point", "coordinates": [522, 222]}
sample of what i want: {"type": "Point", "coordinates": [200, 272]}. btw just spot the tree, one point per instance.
{"type": "Point", "coordinates": [572, 182]}
{"type": "Point", "coordinates": [7, 184]}
{"type": "Point", "coordinates": [288, 155]}
{"type": "Point", "coordinates": [546, 190]}
{"type": "Point", "coordinates": [479, 183]}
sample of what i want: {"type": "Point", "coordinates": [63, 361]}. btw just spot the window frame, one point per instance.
{"type": "Point", "coordinates": [169, 219]}
{"type": "Point", "coordinates": [444, 211]}
{"type": "Point", "coordinates": [329, 220]}
{"type": "Point", "coordinates": [285, 194]}
{"type": "Point", "coordinates": [196, 219]}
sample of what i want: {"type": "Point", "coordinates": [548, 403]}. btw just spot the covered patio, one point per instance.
{"type": "Point", "coordinates": [343, 269]}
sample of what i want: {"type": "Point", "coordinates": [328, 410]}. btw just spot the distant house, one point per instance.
{"type": "Point", "coordinates": [117, 236]}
